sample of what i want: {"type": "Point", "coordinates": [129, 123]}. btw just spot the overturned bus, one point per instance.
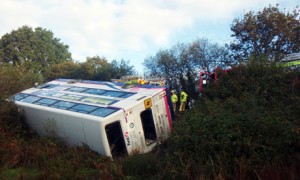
{"type": "Point", "coordinates": [113, 119]}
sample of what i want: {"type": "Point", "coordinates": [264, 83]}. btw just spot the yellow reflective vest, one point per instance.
{"type": "Point", "coordinates": [183, 96]}
{"type": "Point", "coordinates": [174, 98]}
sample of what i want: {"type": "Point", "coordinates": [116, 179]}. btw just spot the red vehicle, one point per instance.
{"type": "Point", "coordinates": [207, 77]}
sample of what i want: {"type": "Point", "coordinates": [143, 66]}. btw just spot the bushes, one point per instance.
{"type": "Point", "coordinates": [140, 166]}
{"type": "Point", "coordinates": [246, 126]}
{"type": "Point", "coordinates": [23, 154]}
{"type": "Point", "coordinates": [16, 78]}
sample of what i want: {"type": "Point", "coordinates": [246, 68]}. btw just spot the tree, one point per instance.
{"type": "Point", "coordinates": [245, 126]}
{"type": "Point", "coordinates": [160, 64]}
{"type": "Point", "coordinates": [180, 65]}
{"type": "Point", "coordinates": [165, 65]}
{"type": "Point", "coordinates": [97, 68]}
{"type": "Point", "coordinates": [121, 68]}
{"type": "Point", "coordinates": [267, 34]}
{"type": "Point", "coordinates": [38, 47]}
{"type": "Point", "coordinates": [207, 56]}
{"type": "Point", "coordinates": [68, 69]}
{"type": "Point", "coordinates": [15, 79]}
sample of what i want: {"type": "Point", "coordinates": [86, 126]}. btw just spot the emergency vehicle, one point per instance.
{"type": "Point", "coordinates": [207, 77]}
{"type": "Point", "coordinates": [112, 118]}
{"type": "Point", "coordinates": [290, 61]}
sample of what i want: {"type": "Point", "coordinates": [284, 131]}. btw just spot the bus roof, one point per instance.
{"type": "Point", "coordinates": [96, 98]}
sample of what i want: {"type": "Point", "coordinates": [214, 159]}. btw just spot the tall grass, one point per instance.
{"type": "Point", "coordinates": [23, 154]}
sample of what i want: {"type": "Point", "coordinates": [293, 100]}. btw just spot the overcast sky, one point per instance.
{"type": "Point", "coordinates": [129, 29]}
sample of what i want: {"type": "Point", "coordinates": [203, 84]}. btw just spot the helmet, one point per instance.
{"type": "Point", "coordinates": [172, 91]}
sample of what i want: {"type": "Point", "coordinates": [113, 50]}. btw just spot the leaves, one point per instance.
{"type": "Point", "coordinates": [15, 79]}
{"type": "Point", "coordinates": [96, 68]}
{"type": "Point", "coordinates": [180, 65]}
{"type": "Point", "coordinates": [269, 33]}
{"type": "Point", "coordinates": [38, 46]}
{"type": "Point", "coordinates": [249, 119]}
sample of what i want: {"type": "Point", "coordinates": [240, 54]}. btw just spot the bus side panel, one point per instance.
{"type": "Point", "coordinates": [141, 123]}
{"type": "Point", "coordinates": [95, 137]}
{"type": "Point", "coordinates": [168, 112]}
{"type": "Point", "coordinates": [50, 123]}
{"type": "Point", "coordinates": [135, 129]}
{"type": "Point", "coordinates": [162, 116]}
{"type": "Point", "coordinates": [44, 123]}
{"type": "Point", "coordinates": [73, 128]}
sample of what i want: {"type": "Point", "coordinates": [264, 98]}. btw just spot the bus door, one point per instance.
{"type": "Point", "coordinates": [115, 139]}
{"type": "Point", "coordinates": [148, 126]}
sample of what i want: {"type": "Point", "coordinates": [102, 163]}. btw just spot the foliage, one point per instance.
{"type": "Point", "coordinates": [246, 126]}
{"type": "Point", "coordinates": [207, 56]}
{"type": "Point", "coordinates": [121, 68]}
{"type": "Point", "coordinates": [16, 78]}
{"type": "Point", "coordinates": [96, 68]}
{"type": "Point", "coordinates": [37, 46]}
{"type": "Point", "coordinates": [20, 173]}
{"type": "Point", "coordinates": [23, 154]}
{"type": "Point", "coordinates": [181, 64]}
{"type": "Point", "coordinates": [269, 34]}
{"type": "Point", "coordinates": [68, 70]}
{"type": "Point", "coordinates": [140, 166]}
{"type": "Point", "coordinates": [38, 52]}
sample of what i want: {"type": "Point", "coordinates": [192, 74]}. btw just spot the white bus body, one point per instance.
{"type": "Point", "coordinates": [110, 118]}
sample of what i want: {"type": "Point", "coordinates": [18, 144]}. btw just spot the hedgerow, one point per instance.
{"type": "Point", "coordinates": [246, 125]}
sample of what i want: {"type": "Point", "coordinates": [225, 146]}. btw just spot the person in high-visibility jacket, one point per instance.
{"type": "Point", "coordinates": [183, 100]}
{"type": "Point", "coordinates": [141, 81]}
{"type": "Point", "coordinates": [174, 100]}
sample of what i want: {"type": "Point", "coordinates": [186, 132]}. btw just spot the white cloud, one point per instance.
{"type": "Point", "coordinates": [129, 29]}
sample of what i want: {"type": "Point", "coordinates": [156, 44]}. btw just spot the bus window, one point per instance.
{"type": "Point", "coordinates": [148, 126]}
{"type": "Point", "coordinates": [115, 139]}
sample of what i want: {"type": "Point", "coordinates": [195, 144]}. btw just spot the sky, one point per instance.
{"type": "Point", "coordinates": [131, 30]}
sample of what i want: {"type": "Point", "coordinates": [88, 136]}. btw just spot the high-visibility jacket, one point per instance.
{"type": "Point", "coordinates": [141, 81]}
{"type": "Point", "coordinates": [174, 98]}
{"type": "Point", "coordinates": [183, 96]}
